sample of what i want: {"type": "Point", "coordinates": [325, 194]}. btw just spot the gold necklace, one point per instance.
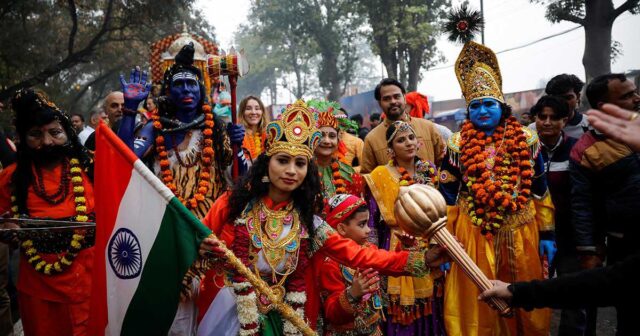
{"type": "Point", "coordinates": [273, 248]}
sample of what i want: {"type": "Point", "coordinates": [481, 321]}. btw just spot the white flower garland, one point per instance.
{"type": "Point", "coordinates": [288, 327]}
{"type": "Point", "coordinates": [296, 297]}
{"type": "Point", "coordinates": [247, 308]}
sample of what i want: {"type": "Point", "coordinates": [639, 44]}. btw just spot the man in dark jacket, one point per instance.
{"type": "Point", "coordinates": [605, 176]}
{"type": "Point", "coordinates": [614, 285]}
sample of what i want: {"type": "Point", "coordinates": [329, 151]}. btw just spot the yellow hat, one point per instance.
{"type": "Point", "coordinates": [478, 73]}
{"type": "Point", "coordinates": [294, 133]}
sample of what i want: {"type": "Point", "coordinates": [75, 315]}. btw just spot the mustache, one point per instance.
{"type": "Point", "coordinates": [50, 153]}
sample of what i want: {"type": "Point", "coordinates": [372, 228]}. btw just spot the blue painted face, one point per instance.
{"type": "Point", "coordinates": [485, 113]}
{"type": "Point", "coordinates": [185, 93]}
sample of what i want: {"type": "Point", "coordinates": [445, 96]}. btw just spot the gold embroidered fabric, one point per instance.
{"type": "Point", "coordinates": [478, 73]}
{"type": "Point", "coordinates": [295, 133]}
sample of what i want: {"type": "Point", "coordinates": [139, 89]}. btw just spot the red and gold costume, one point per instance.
{"type": "Point", "coordinates": [270, 239]}
{"type": "Point", "coordinates": [342, 316]}
{"type": "Point", "coordinates": [327, 243]}
{"type": "Point", "coordinates": [52, 304]}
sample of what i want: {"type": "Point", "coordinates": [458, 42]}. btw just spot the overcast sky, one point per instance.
{"type": "Point", "coordinates": [509, 23]}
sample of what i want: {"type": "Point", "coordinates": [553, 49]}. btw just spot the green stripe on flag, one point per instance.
{"type": "Point", "coordinates": [155, 302]}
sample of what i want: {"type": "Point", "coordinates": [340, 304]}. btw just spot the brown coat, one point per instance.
{"type": "Point", "coordinates": [375, 144]}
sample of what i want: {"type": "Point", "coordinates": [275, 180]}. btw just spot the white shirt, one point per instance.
{"type": "Point", "coordinates": [86, 132]}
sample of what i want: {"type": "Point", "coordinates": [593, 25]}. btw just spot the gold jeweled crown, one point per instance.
{"type": "Point", "coordinates": [294, 133]}
{"type": "Point", "coordinates": [478, 73]}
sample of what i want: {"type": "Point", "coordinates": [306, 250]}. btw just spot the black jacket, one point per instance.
{"type": "Point", "coordinates": [606, 286]}
{"type": "Point", "coordinates": [605, 194]}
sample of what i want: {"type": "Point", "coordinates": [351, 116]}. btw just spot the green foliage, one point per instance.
{"type": "Point", "coordinates": [404, 35]}
{"type": "Point", "coordinates": [300, 32]}
{"type": "Point", "coordinates": [74, 50]}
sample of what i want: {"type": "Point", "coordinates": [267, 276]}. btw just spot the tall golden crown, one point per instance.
{"type": "Point", "coordinates": [295, 133]}
{"type": "Point", "coordinates": [478, 73]}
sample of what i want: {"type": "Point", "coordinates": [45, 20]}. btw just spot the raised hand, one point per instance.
{"type": "Point", "coordinates": [364, 283]}
{"type": "Point", "coordinates": [617, 123]}
{"type": "Point", "coordinates": [136, 90]}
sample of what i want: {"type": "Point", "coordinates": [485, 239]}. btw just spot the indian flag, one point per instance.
{"type": "Point", "coordinates": [145, 242]}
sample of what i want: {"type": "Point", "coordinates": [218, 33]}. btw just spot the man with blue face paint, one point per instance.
{"type": "Point", "coordinates": [187, 147]}
{"type": "Point", "coordinates": [191, 146]}
{"type": "Point", "coordinates": [493, 181]}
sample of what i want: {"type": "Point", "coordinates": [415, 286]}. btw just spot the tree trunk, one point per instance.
{"type": "Point", "coordinates": [597, 28]}
{"type": "Point", "coordinates": [414, 65]}
{"type": "Point", "coordinates": [402, 65]}
{"type": "Point", "coordinates": [329, 75]}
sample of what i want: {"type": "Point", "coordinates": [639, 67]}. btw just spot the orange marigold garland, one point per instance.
{"type": "Point", "coordinates": [206, 159]}
{"type": "Point", "coordinates": [498, 172]}
{"type": "Point", "coordinates": [425, 173]}
{"type": "Point", "coordinates": [338, 181]}
{"type": "Point", "coordinates": [64, 260]}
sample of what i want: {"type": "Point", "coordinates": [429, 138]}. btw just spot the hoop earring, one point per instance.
{"type": "Point", "coordinates": [265, 179]}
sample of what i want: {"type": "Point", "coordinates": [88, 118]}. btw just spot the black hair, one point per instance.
{"type": "Point", "coordinates": [344, 111]}
{"type": "Point", "coordinates": [307, 198]}
{"type": "Point", "coordinates": [560, 84]}
{"type": "Point", "coordinates": [357, 118]}
{"type": "Point", "coordinates": [385, 82]}
{"type": "Point", "coordinates": [33, 109]}
{"type": "Point", "coordinates": [374, 116]}
{"type": "Point", "coordinates": [155, 102]}
{"type": "Point", "coordinates": [78, 115]}
{"type": "Point", "coordinates": [598, 88]}
{"type": "Point", "coordinates": [555, 103]}
{"type": "Point", "coordinates": [362, 208]}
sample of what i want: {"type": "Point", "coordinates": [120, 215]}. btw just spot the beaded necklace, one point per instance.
{"type": "Point", "coordinates": [65, 260]}
{"type": "Point", "coordinates": [63, 188]}
{"type": "Point", "coordinates": [206, 159]}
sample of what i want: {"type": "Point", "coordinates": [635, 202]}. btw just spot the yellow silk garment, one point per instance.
{"type": "Point", "coordinates": [511, 255]}
{"type": "Point", "coordinates": [403, 291]}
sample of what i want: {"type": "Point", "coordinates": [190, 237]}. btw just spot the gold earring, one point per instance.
{"type": "Point", "coordinates": [265, 179]}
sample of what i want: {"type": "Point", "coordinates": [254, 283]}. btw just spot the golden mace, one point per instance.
{"type": "Point", "coordinates": [283, 308]}
{"type": "Point", "coordinates": [421, 211]}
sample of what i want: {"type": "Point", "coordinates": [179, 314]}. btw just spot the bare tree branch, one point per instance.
{"type": "Point", "coordinates": [68, 62]}
{"type": "Point", "coordinates": [74, 28]}
{"type": "Point", "coordinates": [6, 8]}
{"type": "Point", "coordinates": [571, 18]}
{"type": "Point", "coordinates": [627, 5]}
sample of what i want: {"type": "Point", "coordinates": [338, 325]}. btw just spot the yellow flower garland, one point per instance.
{"type": "Point", "coordinates": [75, 246]}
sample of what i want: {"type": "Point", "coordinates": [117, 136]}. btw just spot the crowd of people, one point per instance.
{"type": "Point", "coordinates": [309, 206]}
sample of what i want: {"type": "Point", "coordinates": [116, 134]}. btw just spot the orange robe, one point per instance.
{"type": "Point", "coordinates": [330, 243]}
{"type": "Point", "coordinates": [52, 304]}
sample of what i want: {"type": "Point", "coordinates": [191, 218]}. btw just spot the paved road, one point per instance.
{"type": "Point", "coordinates": [606, 322]}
